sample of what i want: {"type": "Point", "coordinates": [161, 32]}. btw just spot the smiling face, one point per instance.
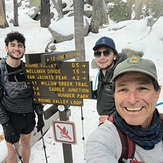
{"type": "Point", "coordinates": [135, 98]}
{"type": "Point", "coordinates": [105, 61]}
{"type": "Point", "coordinates": [15, 49]}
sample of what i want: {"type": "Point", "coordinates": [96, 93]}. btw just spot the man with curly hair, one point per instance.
{"type": "Point", "coordinates": [17, 114]}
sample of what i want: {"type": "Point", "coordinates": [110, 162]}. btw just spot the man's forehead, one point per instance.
{"type": "Point", "coordinates": [103, 47]}
{"type": "Point", "coordinates": [15, 42]}
{"type": "Point", "coordinates": [133, 76]}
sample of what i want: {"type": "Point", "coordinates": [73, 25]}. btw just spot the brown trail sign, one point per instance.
{"type": "Point", "coordinates": [60, 83]}
{"type": "Point", "coordinates": [76, 71]}
{"type": "Point", "coordinates": [59, 101]}
{"type": "Point", "coordinates": [58, 56]}
{"type": "Point", "coordinates": [47, 58]}
{"type": "Point", "coordinates": [63, 83]}
{"type": "Point", "coordinates": [62, 89]}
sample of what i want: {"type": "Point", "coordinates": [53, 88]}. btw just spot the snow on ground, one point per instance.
{"type": "Point", "coordinates": [134, 34]}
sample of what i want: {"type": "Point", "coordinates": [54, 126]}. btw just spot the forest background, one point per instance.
{"type": "Point", "coordinates": [141, 35]}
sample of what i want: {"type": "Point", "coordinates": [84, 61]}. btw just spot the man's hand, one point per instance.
{"type": "Point", "coordinates": [102, 118]}
{"type": "Point", "coordinates": [9, 133]}
{"type": "Point", "coordinates": [39, 111]}
{"type": "Point", "coordinates": [40, 122]}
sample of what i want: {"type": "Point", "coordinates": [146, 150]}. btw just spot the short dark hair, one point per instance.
{"type": "Point", "coordinates": [15, 36]}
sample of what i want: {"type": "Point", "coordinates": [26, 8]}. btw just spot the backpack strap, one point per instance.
{"type": "Point", "coordinates": [128, 146]}
{"type": "Point", "coordinates": [4, 73]}
{"type": "Point", "coordinates": [3, 69]}
{"type": "Point", "coordinates": [161, 114]}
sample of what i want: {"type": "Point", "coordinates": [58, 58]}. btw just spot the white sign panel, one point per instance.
{"type": "Point", "coordinates": [64, 131]}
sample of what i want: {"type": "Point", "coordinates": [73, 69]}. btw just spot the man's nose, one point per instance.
{"type": "Point", "coordinates": [102, 55]}
{"type": "Point", "coordinates": [16, 47]}
{"type": "Point", "coordinates": [132, 97]}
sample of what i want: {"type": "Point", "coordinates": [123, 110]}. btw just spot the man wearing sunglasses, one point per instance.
{"type": "Point", "coordinates": [106, 58]}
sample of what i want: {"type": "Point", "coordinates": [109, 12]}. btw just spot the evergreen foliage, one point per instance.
{"type": "Point", "coordinates": [148, 9]}
{"type": "Point", "coordinates": [119, 11]}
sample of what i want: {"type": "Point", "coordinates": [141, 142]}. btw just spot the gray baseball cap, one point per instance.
{"type": "Point", "coordinates": [136, 64]}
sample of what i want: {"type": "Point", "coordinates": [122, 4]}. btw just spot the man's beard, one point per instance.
{"type": "Point", "coordinates": [15, 57]}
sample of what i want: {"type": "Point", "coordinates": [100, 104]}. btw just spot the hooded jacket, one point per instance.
{"type": "Point", "coordinates": [105, 98]}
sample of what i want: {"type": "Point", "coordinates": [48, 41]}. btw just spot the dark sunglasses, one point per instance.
{"type": "Point", "coordinates": [105, 53]}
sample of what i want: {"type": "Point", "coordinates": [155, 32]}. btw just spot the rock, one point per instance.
{"type": "Point", "coordinates": [60, 35]}
{"type": "Point", "coordinates": [130, 52]}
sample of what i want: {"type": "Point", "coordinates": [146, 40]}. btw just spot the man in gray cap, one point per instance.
{"type": "Point", "coordinates": [106, 58]}
{"type": "Point", "coordinates": [136, 91]}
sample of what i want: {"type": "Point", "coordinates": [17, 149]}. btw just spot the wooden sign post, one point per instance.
{"type": "Point", "coordinates": [59, 83]}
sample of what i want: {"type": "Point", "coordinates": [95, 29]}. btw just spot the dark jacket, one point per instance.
{"type": "Point", "coordinates": [15, 96]}
{"type": "Point", "coordinates": [105, 98]}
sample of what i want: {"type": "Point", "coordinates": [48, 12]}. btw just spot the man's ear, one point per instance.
{"type": "Point", "coordinates": [158, 93]}
{"type": "Point", "coordinates": [6, 49]}
{"type": "Point", "coordinates": [115, 57]}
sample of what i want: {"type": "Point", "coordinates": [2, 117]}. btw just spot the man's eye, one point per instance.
{"type": "Point", "coordinates": [142, 88]}
{"type": "Point", "coordinates": [20, 46]}
{"type": "Point", "coordinates": [122, 90]}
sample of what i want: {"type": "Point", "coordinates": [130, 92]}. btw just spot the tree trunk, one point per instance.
{"type": "Point", "coordinates": [104, 15]}
{"type": "Point", "coordinates": [79, 28]}
{"type": "Point", "coordinates": [59, 10]}
{"type": "Point", "coordinates": [138, 8]}
{"type": "Point", "coordinates": [89, 2]}
{"type": "Point", "coordinates": [3, 1]}
{"type": "Point", "coordinates": [16, 13]}
{"type": "Point", "coordinates": [96, 14]}
{"type": "Point", "coordinates": [59, 3]}
{"type": "Point", "coordinates": [45, 13]}
{"type": "Point", "coordinates": [159, 8]}
{"type": "Point", "coordinates": [129, 4]}
{"type": "Point", "coordinates": [3, 21]}
{"type": "Point", "coordinates": [99, 15]}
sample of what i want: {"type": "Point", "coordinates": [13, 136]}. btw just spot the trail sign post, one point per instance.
{"type": "Point", "coordinates": [61, 83]}
{"type": "Point", "coordinates": [67, 148]}
{"type": "Point", "coordinates": [47, 58]}
{"type": "Point", "coordinates": [58, 56]}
